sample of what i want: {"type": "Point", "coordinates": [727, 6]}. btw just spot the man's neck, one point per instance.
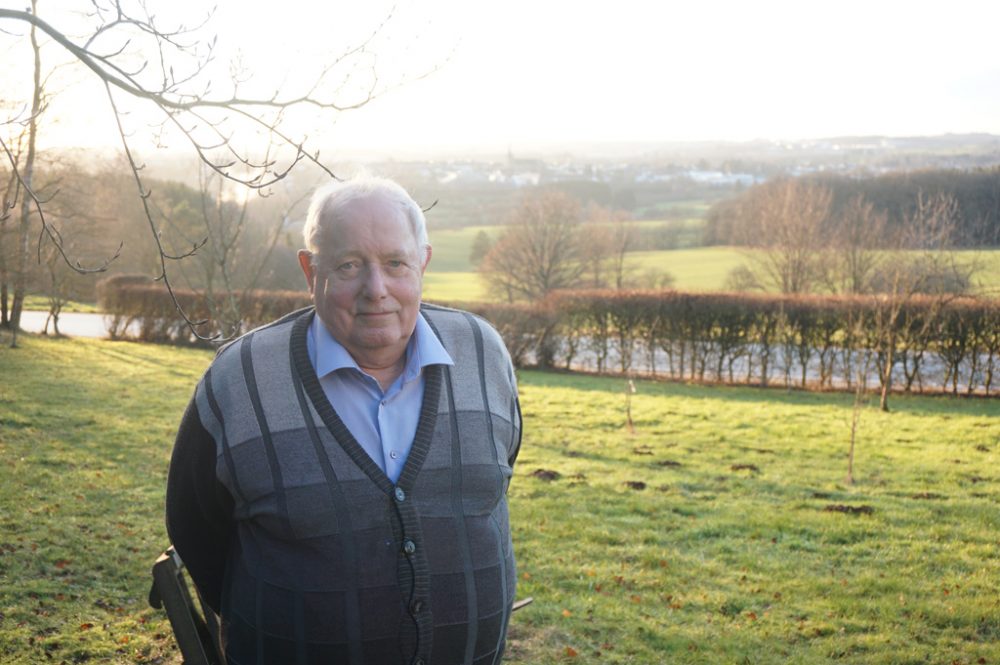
{"type": "Point", "coordinates": [384, 373]}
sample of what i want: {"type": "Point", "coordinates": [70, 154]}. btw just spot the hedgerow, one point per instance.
{"type": "Point", "coordinates": [931, 343]}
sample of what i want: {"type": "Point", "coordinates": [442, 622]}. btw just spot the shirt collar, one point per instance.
{"type": "Point", "coordinates": [423, 349]}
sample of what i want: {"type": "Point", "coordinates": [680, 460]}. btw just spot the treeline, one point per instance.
{"type": "Point", "coordinates": [97, 214]}
{"type": "Point", "coordinates": [897, 195]}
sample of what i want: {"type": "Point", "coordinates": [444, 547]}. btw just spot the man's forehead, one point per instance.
{"type": "Point", "coordinates": [363, 233]}
{"type": "Point", "coordinates": [365, 206]}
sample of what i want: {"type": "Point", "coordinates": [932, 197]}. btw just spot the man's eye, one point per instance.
{"type": "Point", "coordinates": [348, 267]}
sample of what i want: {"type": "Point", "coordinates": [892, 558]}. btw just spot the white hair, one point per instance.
{"type": "Point", "coordinates": [329, 201]}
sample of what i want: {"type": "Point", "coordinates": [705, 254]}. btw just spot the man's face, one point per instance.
{"type": "Point", "coordinates": [366, 279]}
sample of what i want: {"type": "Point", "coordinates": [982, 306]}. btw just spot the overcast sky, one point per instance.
{"type": "Point", "coordinates": [520, 73]}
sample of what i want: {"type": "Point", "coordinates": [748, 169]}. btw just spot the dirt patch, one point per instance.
{"type": "Point", "coordinates": [821, 495]}
{"type": "Point", "coordinates": [983, 449]}
{"type": "Point", "coordinates": [642, 450]}
{"type": "Point", "coordinates": [745, 467]}
{"type": "Point", "coordinates": [849, 510]}
{"type": "Point", "coordinates": [635, 484]}
{"type": "Point", "coordinates": [668, 462]}
{"type": "Point", "coordinates": [545, 474]}
{"type": "Point", "coordinates": [926, 495]}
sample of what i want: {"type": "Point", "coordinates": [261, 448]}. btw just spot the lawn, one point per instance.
{"type": "Point", "coordinates": [715, 534]}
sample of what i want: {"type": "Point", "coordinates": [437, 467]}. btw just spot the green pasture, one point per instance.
{"type": "Point", "coordinates": [41, 303]}
{"type": "Point", "coordinates": [452, 247]}
{"type": "Point", "coordinates": [453, 287]}
{"type": "Point", "coordinates": [720, 532]}
{"type": "Point", "coordinates": [693, 269]}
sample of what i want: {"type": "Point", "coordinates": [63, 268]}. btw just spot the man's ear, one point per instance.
{"type": "Point", "coordinates": [427, 258]}
{"type": "Point", "coordinates": [305, 262]}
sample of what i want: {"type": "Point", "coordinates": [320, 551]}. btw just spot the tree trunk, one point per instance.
{"type": "Point", "coordinates": [883, 402]}
{"type": "Point", "coordinates": [22, 248]}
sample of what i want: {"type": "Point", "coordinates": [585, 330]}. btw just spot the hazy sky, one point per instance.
{"type": "Point", "coordinates": [522, 72]}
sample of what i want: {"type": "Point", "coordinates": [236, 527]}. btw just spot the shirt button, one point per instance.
{"type": "Point", "coordinates": [393, 454]}
{"type": "Point", "coordinates": [400, 495]}
{"type": "Point", "coordinates": [409, 547]}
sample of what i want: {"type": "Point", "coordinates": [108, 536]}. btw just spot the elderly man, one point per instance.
{"type": "Point", "coordinates": [338, 486]}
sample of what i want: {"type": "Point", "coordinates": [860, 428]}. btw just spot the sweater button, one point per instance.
{"type": "Point", "coordinates": [400, 495]}
{"type": "Point", "coordinates": [417, 606]}
{"type": "Point", "coordinates": [409, 546]}
{"type": "Point", "coordinates": [418, 661]}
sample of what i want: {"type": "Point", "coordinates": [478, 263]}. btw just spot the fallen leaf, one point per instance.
{"type": "Point", "coordinates": [567, 613]}
{"type": "Point", "coordinates": [62, 563]}
{"type": "Point", "coordinates": [571, 652]}
{"type": "Point", "coordinates": [636, 599]}
{"type": "Point", "coordinates": [752, 616]}
{"type": "Point", "coordinates": [86, 626]}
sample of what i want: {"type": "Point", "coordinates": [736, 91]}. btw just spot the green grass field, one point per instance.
{"type": "Point", "coordinates": [451, 277]}
{"type": "Point", "coordinates": [41, 303]}
{"type": "Point", "coordinates": [452, 247]}
{"type": "Point", "coordinates": [705, 537]}
{"type": "Point", "coordinates": [693, 269]}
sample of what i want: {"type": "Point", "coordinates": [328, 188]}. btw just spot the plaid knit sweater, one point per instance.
{"type": "Point", "coordinates": [307, 549]}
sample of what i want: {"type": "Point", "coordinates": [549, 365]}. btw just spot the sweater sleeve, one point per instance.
{"type": "Point", "coordinates": [199, 508]}
{"type": "Point", "coordinates": [518, 424]}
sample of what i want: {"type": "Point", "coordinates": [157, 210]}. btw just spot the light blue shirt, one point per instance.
{"type": "Point", "coordinates": [384, 423]}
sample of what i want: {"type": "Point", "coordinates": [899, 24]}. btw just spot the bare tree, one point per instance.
{"type": "Point", "coordinates": [856, 248]}
{"type": "Point", "coordinates": [922, 264]}
{"type": "Point", "coordinates": [25, 178]}
{"type": "Point", "coordinates": [231, 263]}
{"type": "Point", "coordinates": [610, 236]}
{"type": "Point", "coordinates": [136, 60]}
{"type": "Point", "coordinates": [784, 229]}
{"type": "Point", "coordinates": [540, 251]}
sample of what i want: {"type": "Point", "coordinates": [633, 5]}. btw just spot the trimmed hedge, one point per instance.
{"type": "Point", "coordinates": [139, 309]}
{"type": "Point", "coordinates": [807, 341]}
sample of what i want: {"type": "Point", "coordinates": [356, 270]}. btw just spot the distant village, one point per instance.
{"type": "Point", "coordinates": [714, 164]}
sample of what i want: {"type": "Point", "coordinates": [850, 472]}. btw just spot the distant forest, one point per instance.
{"type": "Point", "coordinates": [976, 194]}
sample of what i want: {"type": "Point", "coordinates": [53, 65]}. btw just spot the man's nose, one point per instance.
{"type": "Point", "coordinates": [374, 283]}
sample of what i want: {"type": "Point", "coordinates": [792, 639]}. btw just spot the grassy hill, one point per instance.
{"type": "Point", "coordinates": [720, 532]}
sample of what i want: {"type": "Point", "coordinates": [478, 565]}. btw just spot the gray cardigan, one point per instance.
{"type": "Point", "coordinates": [307, 549]}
